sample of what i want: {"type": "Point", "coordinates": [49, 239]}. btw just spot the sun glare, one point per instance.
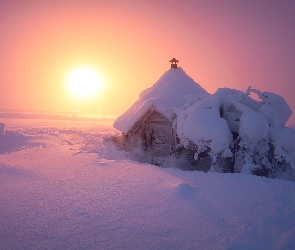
{"type": "Point", "coordinates": [84, 82]}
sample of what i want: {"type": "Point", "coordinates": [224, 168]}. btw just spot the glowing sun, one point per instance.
{"type": "Point", "coordinates": [84, 82]}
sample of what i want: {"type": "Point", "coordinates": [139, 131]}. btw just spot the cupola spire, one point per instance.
{"type": "Point", "coordinates": [173, 63]}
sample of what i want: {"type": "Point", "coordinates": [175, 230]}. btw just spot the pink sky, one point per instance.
{"type": "Point", "coordinates": [218, 43]}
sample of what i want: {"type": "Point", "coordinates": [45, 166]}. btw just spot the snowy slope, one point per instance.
{"type": "Point", "coordinates": [67, 187]}
{"type": "Point", "coordinates": [168, 93]}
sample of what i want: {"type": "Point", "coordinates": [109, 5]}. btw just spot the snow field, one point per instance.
{"type": "Point", "coordinates": [70, 188]}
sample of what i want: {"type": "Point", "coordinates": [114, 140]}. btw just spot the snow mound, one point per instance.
{"type": "Point", "coordinates": [185, 189]}
{"type": "Point", "coordinates": [168, 93]}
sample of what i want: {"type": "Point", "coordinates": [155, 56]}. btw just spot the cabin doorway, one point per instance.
{"type": "Point", "coordinates": [161, 140]}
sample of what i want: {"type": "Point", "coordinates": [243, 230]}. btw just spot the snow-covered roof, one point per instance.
{"type": "Point", "coordinates": [168, 93]}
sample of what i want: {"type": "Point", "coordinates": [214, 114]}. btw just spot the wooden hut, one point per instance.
{"type": "Point", "coordinates": [149, 126]}
{"type": "Point", "coordinates": [152, 135]}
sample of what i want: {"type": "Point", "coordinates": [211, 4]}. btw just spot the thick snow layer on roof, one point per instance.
{"type": "Point", "coordinates": [168, 93]}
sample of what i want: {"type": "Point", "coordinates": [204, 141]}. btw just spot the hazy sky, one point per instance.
{"type": "Point", "coordinates": [234, 43]}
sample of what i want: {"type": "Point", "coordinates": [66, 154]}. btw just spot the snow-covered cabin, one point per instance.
{"type": "Point", "coordinates": [149, 125]}
{"type": "Point", "coordinates": [176, 123]}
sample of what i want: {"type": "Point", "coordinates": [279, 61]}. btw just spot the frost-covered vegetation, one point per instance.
{"type": "Point", "coordinates": [236, 130]}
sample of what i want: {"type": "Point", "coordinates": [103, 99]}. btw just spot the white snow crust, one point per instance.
{"type": "Point", "coordinates": [65, 185]}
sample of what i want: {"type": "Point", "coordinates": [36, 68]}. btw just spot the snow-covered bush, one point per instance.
{"type": "Point", "coordinates": [234, 128]}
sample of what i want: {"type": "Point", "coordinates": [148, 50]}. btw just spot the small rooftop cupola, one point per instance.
{"type": "Point", "coordinates": [173, 63]}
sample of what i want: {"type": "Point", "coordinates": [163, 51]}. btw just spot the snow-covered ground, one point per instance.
{"type": "Point", "coordinates": [65, 185]}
